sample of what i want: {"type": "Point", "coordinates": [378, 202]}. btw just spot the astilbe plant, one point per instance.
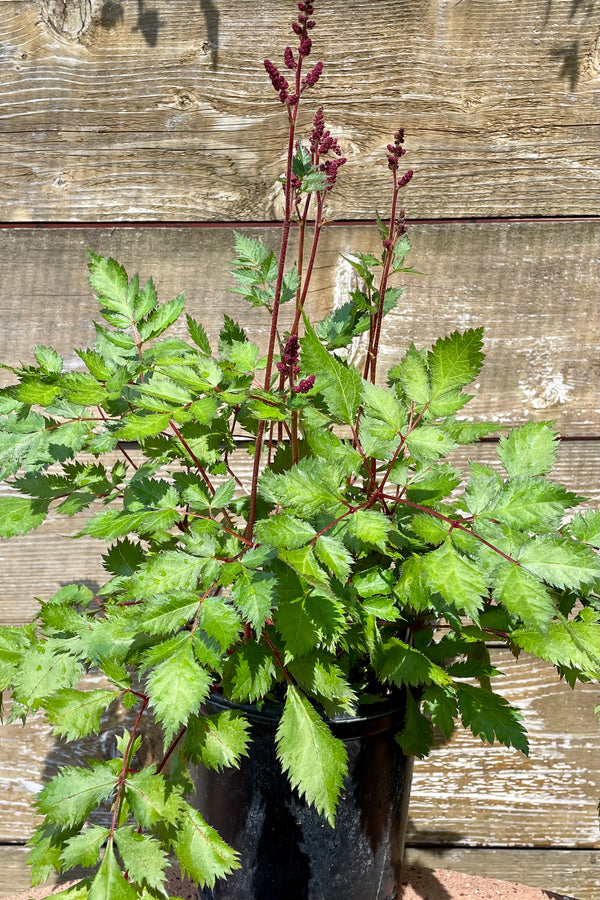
{"type": "Point", "coordinates": [356, 560]}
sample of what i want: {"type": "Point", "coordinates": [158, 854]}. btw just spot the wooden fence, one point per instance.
{"type": "Point", "coordinates": [146, 129]}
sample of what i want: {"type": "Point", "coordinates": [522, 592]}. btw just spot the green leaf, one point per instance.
{"type": "Point", "coordinates": [561, 562]}
{"type": "Point", "coordinates": [383, 404]}
{"type": "Point", "coordinates": [143, 858]}
{"type": "Point", "coordinates": [139, 425]}
{"type": "Point", "coordinates": [151, 798]}
{"type": "Point", "coordinates": [84, 849]}
{"type": "Point", "coordinates": [523, 595]}
{"type": "Point", "coordinates": [72, 794]}
{"type": "Point", "coordinates": [253, 594]}
{"type": "Point", "coordinates": [202, 854]}
{"type": "Point", "coordinates": [161, 318]}
{"type": "Point", "coordinates": [529, 450]}
{"type": "Point", "coordinates": [339, 384]}
{"type": "Point", "coordinates": [301, 489]}
{"type": "Point", "coordinates": [413, 376]}
{"type": "Point", "coordinates": [18, 515]}
{"type": "Point", "coordinates": [168, 571]}
{"type": "Point", "coordinates": [586, 527]}
{"type": "Point", "coordinates": [369, 526]}
{"type": "Point", "coordinates": [572, 644]}
{"type": "Point", "coordinates": [427, 443]}
{"type": "Point", "coordinates": [45, 669]}
{"type": "Point", "coordinates": [531, 503]}
{"type": "Point", "coordinates": [455, 361]}
{"type": "Point", "coordinates": [402, 664]}
{"type": "Point", "coordinates": [297, 628]}
{"type": "Point", "coordinates": [490, 716]}
{"type": "Point", "coordinates": [458, 580]}
{"type": "Point", "coordinates": [109, 882]}
{"type": "Point", "coordinates": [198, 335]}
{"type": "Point", "coordinates": [217, 741]}
{"type": "Point", "coordinates": [223, 494]}
{"type": "Point", "coordinates": [249, 673]}
{"type": "Point", "coordinates": [316, 761]}
{"type": "Point", "coordinates": [109, 280]}
{"type": "Point", "coordinates": [220, 621]}
{"type": "Point", "coordinates": [163, 615]}
{"type": "Point", "coordinates": [176, 688]}
{"type": "Point", "coordinates": [440, 704]}
{"type": "Point", "coordinates": [284, 531]}
{"type": "Point", "coordinates": [48, 360]}
{"type": "Point", "coordinates": [333, 554]}
{"type": "Point", "coordinates": [416, 735]}
{"type": "Point", "coordinates": [77, 713]}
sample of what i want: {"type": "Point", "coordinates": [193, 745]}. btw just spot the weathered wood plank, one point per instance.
{"type": "Point", "coordinates": [466, 794]}
{"type": "Point", "coordinates": [122, 112]}
{"type": "Point", "coordinates": [573, 872]}
{"type": "Point", "coordinates": [37, 564]}
{"type": "Point", "coordinates": [534, 286]}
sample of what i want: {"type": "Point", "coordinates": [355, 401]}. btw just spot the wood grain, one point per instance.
{"type": "Point", "coordinates": [534, 286]}
{"type": "Point", "coordinates": [117, 111]}
{"type": "Point", "coordinates": [572, 872]}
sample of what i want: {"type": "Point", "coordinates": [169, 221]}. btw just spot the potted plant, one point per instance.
{"type": "Point", "coordinates": [300, 580]}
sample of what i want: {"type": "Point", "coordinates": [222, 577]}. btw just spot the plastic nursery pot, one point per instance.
{"type": "Point", "coordinates": [288, 851]}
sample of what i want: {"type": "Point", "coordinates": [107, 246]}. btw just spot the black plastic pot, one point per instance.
{"type": "Point", "coordinates": [289, 851]}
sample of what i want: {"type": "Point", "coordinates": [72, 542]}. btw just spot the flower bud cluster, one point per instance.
{"type": "Point", "coordinates": [395, 152]}
{"type": "Point", "coordinates": [321, 143]}
{"type": "Point", "coordinates": [304, 386]}
{"type": "Point", "coordinates": [279, 82]}
{"type": "Point", "coordinates": [289, 358]}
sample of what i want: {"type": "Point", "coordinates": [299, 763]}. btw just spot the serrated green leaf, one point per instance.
{"type": "Point", "coordinates": [110, 282]}
{"type": "Point", "coordinates": [383, 404]}
{"type": "Point", "coordinates": [401, 664]}
{"type": "Point", "coordinates": [574, 644]}
{"type": "Point", "coordinates": [369, 526]}
{"type": "Point", "coordinates": [198, 335]}
{"type": "Point", "coordinates": [528, 503]}
{"type": "Point", "coordinates": [334, 555]}
{"type": "Point", "coordinates": [586, 527]}
{"type": "Point", "coordinates": [220, 621]}
{"type": "Point", "coordinates": [77, 713]}
{"type": "Point", "coordinates": [69, 798]}
{"type": "Point", "coordinates": [490, 717]}
{"type": "Point", "coordinates": [315, 760]}
{"type": "Point", "coordinates": [84, 849]}
{"type": "Point", "coordinates": [459, 581]}
{"type": "Point", "coordinates": [561, 562]}
{"type": "Point", "coordinates": [416, 735]}
{"type": "Point", "coordinates": [163, 615]}
{"type": "Point", "coordinates": [45, 668]}
{"type": "Point", "coordinates": [143, 858]}
{"type": "Point", "coordinates": [48, 360]}
{"type": "Point", "coordinates": [427, 443]}
{"type": "Point", "coordinates": [137, 426]}
{"type": "Point", "coordinates": [297, 628]}
{"type": "Point", "coordinates": [161, 318]}
{"type": "Point", "coordinates": [339, 384]}
{"type": "Point", "coordinates": [523, 595]}
{"type": "Point", "coordinates": [223, 494]}
{"type": "Point", "coordinates": [249, 673]}
{"type": "Point", "coordinates": [455, 361]}
{"type": "Point", "coordinates": [413, 376]}
{"type": "Point", "coordinates": [202, 854]}
{"type": "Point", "coordinates": [440, 704]}
{"type": "Point", "coordinates": [176, 688]}
{"type": "Point", "coordinates": [169, 571]}
{"type": "Point", "coordinates": [253, 594]}
{"type": "Point", "coordinates": [304, 562]}
{"type": "Point", "coordinates": [217, 741]}
{"type": "Point", "coordinates": [152, 799]}
{"type": "Point", "coordinates": [18, 515]}
{"type": "Point", "coordinates": [109, 883]}
{"type": "Point", "coordinates": [529, 450]}
{"type": "Point", "coordinates": [301, 489]}
{"type": "Point", "coordinates": [284, 531]}
{"type": "Point", "coordinates": [123, 557]}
